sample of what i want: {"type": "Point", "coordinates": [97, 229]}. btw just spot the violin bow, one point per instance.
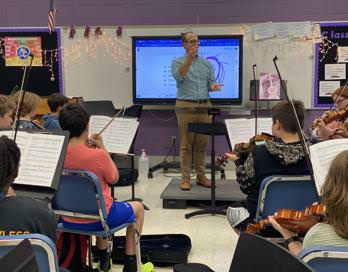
{"type": "Point", "coordinates": [21, 97]}
{"type": "Point", "coordinates": [121, 111]}
{"type": "Point", "coordinates": [304, 145]}
{"type": "Point", "coordinates": [334, 104]}
{"type": "Point", "coordinates": [256, 98]}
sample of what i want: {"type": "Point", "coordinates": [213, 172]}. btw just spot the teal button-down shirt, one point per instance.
{"type": "Point", "coordinates": [197, 82]}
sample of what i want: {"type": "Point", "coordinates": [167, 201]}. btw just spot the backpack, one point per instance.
{"type": "Point", "coordinates": [72, 251]}
{"type": "Point", "coordinates": [127, 177]}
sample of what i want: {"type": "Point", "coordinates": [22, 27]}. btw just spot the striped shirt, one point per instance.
{"type": "Point", "coordinates": [323, 234]}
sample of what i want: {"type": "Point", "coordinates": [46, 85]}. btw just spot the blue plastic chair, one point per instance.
{"type": "Point", "coordinates": [326, 258]}
{"type": "Point", "coordinates": [44, 249]}
{"type": "Point", "coordinates": [285, 192]}
{"type": "Point", "coordinates": [79, 195]}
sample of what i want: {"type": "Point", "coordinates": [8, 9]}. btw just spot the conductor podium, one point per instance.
{"type": "Point", "coordinates": [213, 129]}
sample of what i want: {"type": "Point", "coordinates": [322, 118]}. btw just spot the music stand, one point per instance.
{"type": "Point", "coordinates": [213, 129]}
{"type": "Point", "coordinates": [20, 259]}
{"type": "Point", "coordinates": [99, 107]}
{"type": "Point", "coordinates": [135, 112]}
{"type": "Point", "coordinates": [255, 253]}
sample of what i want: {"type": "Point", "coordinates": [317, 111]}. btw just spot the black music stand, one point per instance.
{"type": "Point", "coordinates": [99, 107]}
{"type": "Point", "coordinates": [213, 129]}
{"type": "Point", "coordinates": [20, 259]}
{"type": "Point", "coordinates": [133, 112]}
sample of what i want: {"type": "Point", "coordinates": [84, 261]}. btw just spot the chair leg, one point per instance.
{"type": "Point", "coordinates": [137, 247]}
{"type": "Point", "coordinates": [90, 266]}
{"type": "Point", "coordinates": [109, 249]}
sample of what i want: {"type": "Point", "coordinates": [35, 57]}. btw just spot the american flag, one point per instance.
{"type": "Point", "coordinates": [51, 16]}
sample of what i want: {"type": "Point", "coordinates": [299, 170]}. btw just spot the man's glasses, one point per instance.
{"type": "Point", "coordinates": [193, 42]}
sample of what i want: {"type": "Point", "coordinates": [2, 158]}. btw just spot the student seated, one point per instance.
{"type": "Point", "coordinates": [56, 102]}
{"type": "Point", "coordinates": [334, 230]}
{"type": "Point", "coordinates": [323, 131]}
{"type": "Point", "coordinates": [282, 155]}
{"type": "Point", "coordinates": [29, 109]}
{"type": "Point", "coordinates": [6, 111]}
{"type": "Point", "coordinates": [81, 156]}
{"type": "Point", "coordinates": [20, 215]}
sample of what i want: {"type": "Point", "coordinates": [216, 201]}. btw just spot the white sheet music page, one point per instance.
{"type": "Point", "coordinates": [238, 130]}
{"type": "Point", "coordinates": [119, 136]}
{"type": "Point", "coordinates": [21, 138]}
{"type": "Point", "coordinates": [322, 155]}
{"type": "Point", "coordinates": [39, 160]}
{"type": "Point", "coordinates": [263, 125]}
{"type": "Point", "coordinates": [97, 123]}
{"type": "Point", "coordinates": [39, 157]}
{"type": "Point", "coordinates": [242, 129]}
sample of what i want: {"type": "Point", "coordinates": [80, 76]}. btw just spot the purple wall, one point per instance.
{"type": "Point", "coordinates": [155, 135]}
{"type": "Point", "coordinates": [166, 12]}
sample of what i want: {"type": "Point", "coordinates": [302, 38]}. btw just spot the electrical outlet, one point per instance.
{"type": "Point", "coordinates": [173, 140]}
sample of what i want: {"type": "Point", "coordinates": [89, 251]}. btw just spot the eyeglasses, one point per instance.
{"type": "Point", "coordinates": [193, 42]}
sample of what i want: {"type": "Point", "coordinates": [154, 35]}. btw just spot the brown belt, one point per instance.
{"type": "Point", "coordinates": [199, 101]}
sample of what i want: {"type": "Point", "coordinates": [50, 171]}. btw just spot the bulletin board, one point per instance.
{"type": "Point", "coordinates": [16, 45]}
{"type": "Point", "coordinates": [331, 59]}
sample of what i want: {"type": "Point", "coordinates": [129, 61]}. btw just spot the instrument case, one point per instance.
{"type": "Point", "coordinates": [160, 249]}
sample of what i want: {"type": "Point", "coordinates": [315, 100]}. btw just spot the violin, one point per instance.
{"type": "Point", "coordinates": [337, 115]}
{"type": "Point", "coordinates": [37, 124]}
{"type": "Point", "coordinates": [242, 150]}
{"type": "Point", "coordinates": [296, 221]}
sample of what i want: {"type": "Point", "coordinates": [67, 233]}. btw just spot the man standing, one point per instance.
{"type": "Point", "coordinates": [195, 78]}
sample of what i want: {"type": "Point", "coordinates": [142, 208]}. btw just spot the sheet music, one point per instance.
{"type": "Point", "coordinates": [263, 125]}
{"type": "Point", "coordinates": [322, 155]}
{"type": "Point", "coordinates": [119, 136]}
{"type": "Point", "coordinates": [242, 129]}
{"type": "Point", "coordinates": [238, 130]}
{"type": "Point", "coordinates": [39, 157]}
{"type": "Point", "coordinates": [97, 123]}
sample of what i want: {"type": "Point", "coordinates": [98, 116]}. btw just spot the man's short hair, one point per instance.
{"type": "Point", "coordinates": [56, 100]}
{"type": "Point", "coordinates": [183, 36]}
{"type": "Point", "coordinates": [283, 113]}
{"type": "Point", "coordinates": [73, 118]}
{"type": "Point", "coordinates": [6, 105]}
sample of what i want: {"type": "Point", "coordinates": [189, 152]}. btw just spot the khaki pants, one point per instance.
{"type": "Point", "coordinates": [190, 112]}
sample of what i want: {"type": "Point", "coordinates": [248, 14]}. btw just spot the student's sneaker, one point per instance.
{"type": "Point", "coordinates": [147, 267]}
{"type": "Point", "coordinates": [131, 265]}
{"type": "Point", "coordinates": [237, 215]}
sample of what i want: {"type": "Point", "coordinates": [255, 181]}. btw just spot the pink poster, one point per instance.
{"type": "Point", "coordinates": [18, 50]}
{"type": "Point", "coordinates": [269, 86]}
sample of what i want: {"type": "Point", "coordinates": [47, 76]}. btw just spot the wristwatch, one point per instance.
{"type": "Point", "coordinates": [294, 238]}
